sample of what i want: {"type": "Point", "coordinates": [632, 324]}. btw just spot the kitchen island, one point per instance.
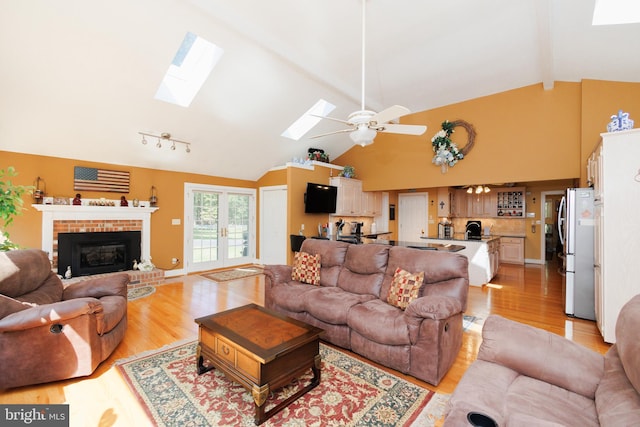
{"type": "Point", "coordinates": [444, 247]}
{"type": "Point", "coordinates": [482, 254]}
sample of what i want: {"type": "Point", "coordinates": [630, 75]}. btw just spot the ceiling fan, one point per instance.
{"type": "Point", "coordinates": [364, 124]}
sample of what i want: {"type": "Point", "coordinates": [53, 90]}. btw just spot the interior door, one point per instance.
{"type": "Point", "coordinates": [219, 227]}
{"type": "Point", "coordinates": [273, 225]}
{"type": "Point", "coordinates": [413, 216]}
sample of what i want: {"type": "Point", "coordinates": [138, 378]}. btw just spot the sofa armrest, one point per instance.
{"type": "Point", "coordinates": [434, 307]}
{"type": "Point", "coordinates": [542, 355]}
{"type": "Point", "coordinates": [99, 287]}
{"type": "Point", "coordinates": [49, 313]}
{"type": "Point", "coordinates": [277, 274]}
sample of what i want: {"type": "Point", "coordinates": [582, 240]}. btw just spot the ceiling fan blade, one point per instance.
{"type": "Point", "coordinates": [390, 113]}
{"type": "Point", "coordinates": [331, 118]}
{"type": "Point", "coordinates": [331, 133]}
{"type": "Point", "coordinates": [403, 129]}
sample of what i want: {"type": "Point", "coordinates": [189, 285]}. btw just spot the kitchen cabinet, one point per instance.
{"type": "Point", "coordinates": [459, 204]}
{"type": "Point", "coordinates": [494, 256]}
{"type": "Point", "coordinates": [349, 199]}
{"type": "Point", "coordinates": [481, 205]}
{"type": "Point", "coordinates": [614, 173]}
{"type": "Point", "coordinates": [510, 202]}
{"type": "Point", "coordinates": [512, 250]}
{"type": "Point", "coordinates": [371, 203]}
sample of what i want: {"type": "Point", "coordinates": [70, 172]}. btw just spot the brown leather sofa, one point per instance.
{"type": "Point", "coordinates": [528, 376]}
{"type": "Point", "coordinates": [350, 304]}
{"type": "Point", "coordinates": [49, 332]}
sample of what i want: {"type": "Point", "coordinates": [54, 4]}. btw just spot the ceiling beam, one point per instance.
{"type": "Point", "coordinates": [544, 41]}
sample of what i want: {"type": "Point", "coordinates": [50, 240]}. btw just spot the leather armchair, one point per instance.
{"type": "Point", "coordinates": [50, 332]}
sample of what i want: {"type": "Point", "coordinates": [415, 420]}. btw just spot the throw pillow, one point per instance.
{"type": "Point", "coordinates": [306, 268]}
{"type": "Point", "coordinates": [404, 288]}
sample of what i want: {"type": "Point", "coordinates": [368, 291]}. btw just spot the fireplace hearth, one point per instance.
{"type": "Point", "coordinates": [96, 253]}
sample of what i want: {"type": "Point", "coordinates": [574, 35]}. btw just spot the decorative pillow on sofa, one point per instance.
{"type": "Point", "coordinates": [404, 288]}
{"type": "Point", "coordinates": [306, 268]}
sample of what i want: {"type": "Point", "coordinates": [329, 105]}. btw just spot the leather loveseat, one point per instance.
{"type": "Point", "coordinates": [49, 332]}
{"type": "Point", "coordinates": [528, 376]}
{"type": "Point", "coordinates": [350, 303]}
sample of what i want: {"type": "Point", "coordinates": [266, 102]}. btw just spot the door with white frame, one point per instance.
{"type": "Point", "coordinates": [273, 224]}
{"type": "Point", "coordinates": [413, 214]}
{"type": "Point", "coordinates": [219, 226]}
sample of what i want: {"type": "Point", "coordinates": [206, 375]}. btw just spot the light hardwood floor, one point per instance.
{"type": "Point", "coordinates": [530, 294]}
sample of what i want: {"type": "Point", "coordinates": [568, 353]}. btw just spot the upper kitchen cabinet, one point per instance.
{"type": "Point", "coordinates": [445, 197]}
{"type": "Point", "coordinates": [371, 203]}
{"type": "Point", "coordinates": [458, 205]}
{"type": "Point", "coordinates": [482, 204]}
{"type": "Point", "coordinates": [349, 202]}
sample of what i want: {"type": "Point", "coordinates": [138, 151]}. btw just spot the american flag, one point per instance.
{"type": "Point", "coordinates": [92, 179]}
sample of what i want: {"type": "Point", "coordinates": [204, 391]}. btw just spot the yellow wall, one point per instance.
{"type": "Point", "coordinates": [523, 135]}
{"type": "Point", "coordinates": [166, 239]}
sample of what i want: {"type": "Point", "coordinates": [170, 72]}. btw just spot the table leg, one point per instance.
{"type": "Point", "coordinates": [200, 362]}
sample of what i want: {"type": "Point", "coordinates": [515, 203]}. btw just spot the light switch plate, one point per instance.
{"type": "Point", "coordinates": [175, 221]}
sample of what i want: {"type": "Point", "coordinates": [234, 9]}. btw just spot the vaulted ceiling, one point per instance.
{"type": "Point", "coordinates": [78, 77]}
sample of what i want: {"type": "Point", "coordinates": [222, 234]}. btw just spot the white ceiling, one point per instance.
{"type": "Point", "coordinates": [78, 77]}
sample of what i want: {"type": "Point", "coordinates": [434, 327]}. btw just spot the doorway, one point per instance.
{"type": "Point", "coordinates": [413, 216]}
{"type": "Point", "coordinates": [219, 229]}
{"type": "Point", "coordinates": [273, 225]}
{"type": "Point", "coordinates": [550, 245]}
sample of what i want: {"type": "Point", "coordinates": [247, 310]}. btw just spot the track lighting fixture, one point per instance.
{"type": "Point", "coordinates": [478, 189]}
{"type": "Point", "coordinates": [165, 137]}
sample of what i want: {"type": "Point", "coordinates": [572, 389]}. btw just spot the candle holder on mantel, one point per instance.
{"type": "Point", "coordinates": [153, 199]}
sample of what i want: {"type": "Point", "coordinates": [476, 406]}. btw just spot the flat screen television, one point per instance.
{"type": "Point", "coordinates": [320, 198]}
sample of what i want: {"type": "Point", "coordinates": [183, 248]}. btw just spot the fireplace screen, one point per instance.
{"type": "Point", "coordinates": [95, 253]}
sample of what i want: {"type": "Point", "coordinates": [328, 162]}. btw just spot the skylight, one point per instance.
{"type": "Point", "coordinates": [611, 12]}
{"type": "Point", "coordinates": [188, 71]}
{"type": "Point", "coordinates": [307, 120]}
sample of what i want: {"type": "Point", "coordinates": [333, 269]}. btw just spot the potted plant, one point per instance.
{"type": "Point", "coordinates": [348, 172]}
{"type": "Point", "coordinates": [10, 204]}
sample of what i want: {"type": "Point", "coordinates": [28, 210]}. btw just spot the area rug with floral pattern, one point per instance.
{"type": "Point", "coordinates": [351, 392]}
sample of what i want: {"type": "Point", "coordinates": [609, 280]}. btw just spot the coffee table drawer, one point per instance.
{"type": "Point", "coordinates": [234, 355]}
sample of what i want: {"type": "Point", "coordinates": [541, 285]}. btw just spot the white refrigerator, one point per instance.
{"type": "Point", "coordinates": [576, 222]}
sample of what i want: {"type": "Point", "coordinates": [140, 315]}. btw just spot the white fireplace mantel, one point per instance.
{"type": "Point", "coordinates": [51, 213]}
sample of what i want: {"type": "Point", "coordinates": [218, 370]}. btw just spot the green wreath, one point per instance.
{"type": "Point", "coordinates": [447, 152]}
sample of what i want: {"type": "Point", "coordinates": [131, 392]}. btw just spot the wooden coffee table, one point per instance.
{"type": "Point", "coordinates": [260, 349]}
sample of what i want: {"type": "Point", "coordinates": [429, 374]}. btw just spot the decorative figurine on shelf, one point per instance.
{"type": "Point", "coordinates": [619, 122]}
{"type": "Point", "coordinates": [77, 201]}
{"type": "Point", "coordinates": [67, 274]}
{"type": "Point", "coordinates": [123, 201]}
{"type": "Point", "coordinates": [135, 264]}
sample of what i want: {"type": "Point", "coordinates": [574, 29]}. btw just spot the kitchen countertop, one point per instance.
{"type": "Point", "coordinates": [485, 239]}
{"type": "Point", "coordinates": [417, 245]}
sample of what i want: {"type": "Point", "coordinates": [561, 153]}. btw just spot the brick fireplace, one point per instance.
{"type": "Point", "coordinates": [58, 219]}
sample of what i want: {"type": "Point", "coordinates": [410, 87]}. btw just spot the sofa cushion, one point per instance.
{"type": "Point", "coordinates": [289, 295]}
{"type": "Point", "coordinates": [49, 291]}
{"type": "Point", "coordinates": [332, 254]}
{"type": "Point", "coordinates": [306, 268]}
{"type": "Point", "coordinates": [404, 288]}
{"type": "Point", "coordinates": [628, 340]}
{"type": "Point", "coordinates": [539, 354]}
{"type": "Point", "coordinates": [617, 401]}
{"type": "Point", "coordinates": [380, 322]}
{"type": "Point", "coordinates": [33, 268]}
{"type": "Point", "coordinates": [549, 403]}
{"type": "Point", "coordinates": [363, 269]}
{"type": "Point", "coordinates": [331, 304]}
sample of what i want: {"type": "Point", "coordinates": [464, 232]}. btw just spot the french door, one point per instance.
{"type": "Point", "coordinates": [219, 226]}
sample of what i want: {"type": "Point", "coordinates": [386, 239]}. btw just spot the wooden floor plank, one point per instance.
{"type": "Point", "coordinates": [530, 294]}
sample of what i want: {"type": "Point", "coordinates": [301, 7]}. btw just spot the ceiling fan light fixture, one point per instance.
{"type": "Point", "coordinates": [363, 136]}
